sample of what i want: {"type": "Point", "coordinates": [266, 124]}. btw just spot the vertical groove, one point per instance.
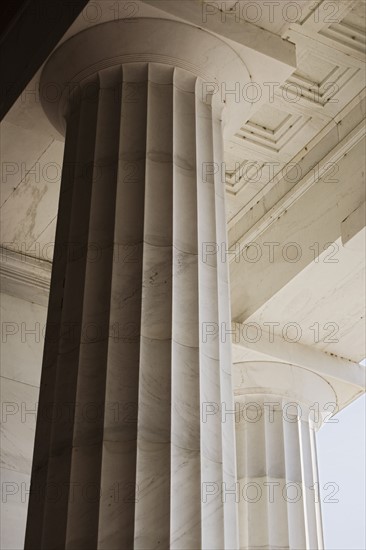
{"type": "Point", "coordinates": [42, 444]}
{"type": "Point", "coordinates": [118, 478]}
{"type": "Point", "coordinates": [304, 499]}
{"type": "Point", "coordinates": [83, 512]}
{"type": "Point", "coordinates": [185, 457]}
{"type": "Point", "coordinates": [257, 504]}
{"type": "Point", "coordinates": [152, 519]}
{"type": "Point", "coordinates": [58, 478]}
{"type": "Point", "coordinates": [293, 461]}
{"type": "Point", "coordinates": [315, 476]}
{"type": "Point", "coordinates": [276, 474]}
{"type": "Point", "coordinates": [242, 472]}
{"type": "Point", "coordinates": [308, 487]}
{"type": "Point", "coordinates": [210, 397]}
{"type": "Point", "coordinates": [225, 360]}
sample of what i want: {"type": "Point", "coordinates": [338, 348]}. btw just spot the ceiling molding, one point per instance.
{"type": "Point", "coordinates": [323, 167]}
{"type": "Point", "coordinates": [24, 276]}
{"type": "Point", "coordinates": [258, 184]}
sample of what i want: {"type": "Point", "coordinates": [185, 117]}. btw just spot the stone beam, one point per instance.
{"type": "Point", "coordinates": [353, 227]}
{"type": "Point", "coordinates": [306, 220]}
{"type": "Point", "coordinates": [227, 20]}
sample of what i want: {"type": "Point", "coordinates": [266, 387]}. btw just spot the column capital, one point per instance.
{"type": "Point", "coordinates": [284, 383]}
{"type": "Point", "coordinates": [221, 71]}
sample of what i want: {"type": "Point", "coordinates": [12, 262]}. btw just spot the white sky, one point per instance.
{"type": "Point", "coordinates": [342, 460]}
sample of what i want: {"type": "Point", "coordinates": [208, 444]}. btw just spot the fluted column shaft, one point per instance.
{"type": "Point", "coordinates": [278, 409]}
{"type": "Point", "coordinates": [125, 446]}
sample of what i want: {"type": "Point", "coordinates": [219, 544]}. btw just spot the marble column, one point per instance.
{"type": "Point", "coordinates": [279, 407]}
{"type": "Point", "coordinates": [123, 456]}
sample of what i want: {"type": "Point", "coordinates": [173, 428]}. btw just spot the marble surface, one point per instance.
{"type": "Point", "coordinates": [21, 356]}
{"type": "Point", "coordinates": [23, 329]}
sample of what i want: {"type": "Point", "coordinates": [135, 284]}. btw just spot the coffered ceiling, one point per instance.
{"type": "Point", "coordinates": [330, 46]}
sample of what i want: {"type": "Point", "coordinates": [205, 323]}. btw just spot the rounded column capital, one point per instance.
{"type": "Point", "coordinates": [220, 70]}
{"type": "Point", "coordinates": [285, 384]}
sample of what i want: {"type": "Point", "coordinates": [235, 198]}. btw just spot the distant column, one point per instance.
{"type": "Point", "coordinates": [279, 408]}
